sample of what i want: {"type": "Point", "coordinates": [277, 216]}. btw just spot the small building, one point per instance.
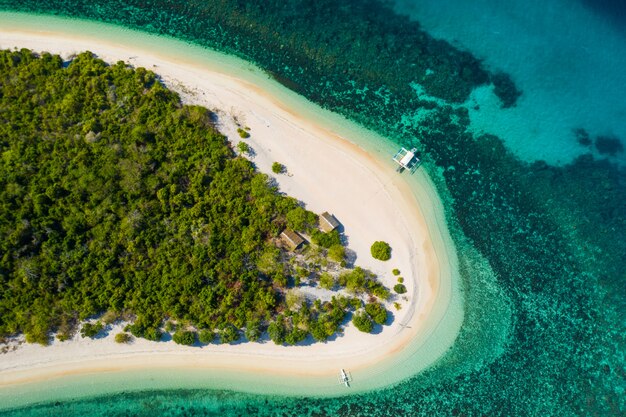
{"type": "Point", "coordinates": [291, 239]}
{"type": "Point", "coordinates": [328, 222]}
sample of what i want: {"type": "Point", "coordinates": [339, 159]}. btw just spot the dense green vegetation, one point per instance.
{"type": "Point", "coordinates": [118, 200]}
{"type": "Point", "coordinates": [381, 250]}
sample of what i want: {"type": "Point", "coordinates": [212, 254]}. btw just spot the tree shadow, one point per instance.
{"type": "Point", "coordinates": [350, 258]}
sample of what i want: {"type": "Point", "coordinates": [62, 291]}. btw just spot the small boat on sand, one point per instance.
{"type": "Point", "coordinates": [344, 378]}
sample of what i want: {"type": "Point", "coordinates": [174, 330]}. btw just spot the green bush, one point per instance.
{"type": "Point", "coordinates": [152, 333]}
{"type": "Point", "coordinates": [395, 271]}
{"type": "Point", "coordinates": [326, 240]}
{"type": "Point", "coordinates": [377, 312]}
{"type": "Point", "coordinates": [278, 168]}
{"type": "Point", "coordinates": [206, 336]}
{"type": "Point", "coordinates": [184, 337]}
{"type": "Point", "coordinates": [381, 250]}
{"type": "Point", "coordinates": [123, 338]}
{"type": "Point", "coordinates": [242, 133]}
{"type": "Point", "coordinates": [356, 303]}
{"type": "Point", "coordinates": [110, 317]}
{"type": "Point", "coordinates": [243, 147]}
{"type": "Point", "coordinates": [400, 280]}
{"type": "Point", "coordinates": [318, 331]}
{"type": "Point", "coordinates": [362, 322]}
{"type": "Point", "coordinates": [337, 253]}
{"type": "Point", "coordinates": [276, 332]}
{"type": "Point", "coordinates": [327, 281]}
{"type": "Point", "coordinates": [399, 288]}
{"type": "Point", "coordinates": [252, 331]}
{"type": "Point", "coordinates": [91, 330]}
{"type": "Point", "coordinates": [229, 334]}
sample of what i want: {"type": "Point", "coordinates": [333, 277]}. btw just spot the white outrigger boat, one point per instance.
{"type": "Point", "coordinates": [345, 378]}
{"type": "Point", "coordinates": [407, 160]}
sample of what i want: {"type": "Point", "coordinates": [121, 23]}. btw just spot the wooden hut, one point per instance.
{"type": "Point", "coordinates": [328, 222]}
{"type": "Point", "coordinates": [291, 239]}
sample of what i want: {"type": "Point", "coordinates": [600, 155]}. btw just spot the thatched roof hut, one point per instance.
{"type": "Point", "coordinates": [291, 239]}
{"type": "Point", "coordinates": [328, 222]}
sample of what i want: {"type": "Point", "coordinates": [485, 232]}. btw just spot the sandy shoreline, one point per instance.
{"type": "Point", "coordinates": [327, 172]}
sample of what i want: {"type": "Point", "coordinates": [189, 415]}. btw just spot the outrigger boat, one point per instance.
{"type": "Point", "coordinates": [344, 378]}
{"type": "Point", "coordinates": [406, 160]}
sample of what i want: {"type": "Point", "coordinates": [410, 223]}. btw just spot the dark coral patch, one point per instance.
{"type": "Point", "coordinates": [609, 145]}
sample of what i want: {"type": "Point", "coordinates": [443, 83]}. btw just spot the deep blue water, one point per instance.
{"type": "Point", "coordinates": [554, 232]}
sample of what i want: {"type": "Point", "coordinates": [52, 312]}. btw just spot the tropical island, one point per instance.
{"type": "Point", "coordinates": [369, 315]}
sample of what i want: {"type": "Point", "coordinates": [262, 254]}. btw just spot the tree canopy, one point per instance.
{"type": "Point", "coordinates": [114, 197]}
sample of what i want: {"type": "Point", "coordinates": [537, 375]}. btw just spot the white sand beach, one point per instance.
{"type": "Point", "coordinates": [328, 172]}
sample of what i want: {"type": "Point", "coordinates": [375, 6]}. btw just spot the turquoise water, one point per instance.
{"type": "Point", "coordinates": [551, 50]}
{"type": "Point", "coordinates": [541, 244]}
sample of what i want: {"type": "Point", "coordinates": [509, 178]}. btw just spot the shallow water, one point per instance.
{"type": "Point", "coordinates": [545, 335]}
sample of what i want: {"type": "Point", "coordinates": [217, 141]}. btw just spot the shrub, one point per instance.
{"type": "Point", "coordinates": [183, 337]}
{"type": "Point", "coordinates": [381, 250]}
{"type": "Point", "coordinates": [327, 281]}
{"type": "Point", "coordinates": [356, 279]}
{"type": "Point", "coordinates": [206, 336]}
{"type": "Point", "coordinates": [109, 317]}
{"type": "Point", "coordinates": [295, 336]}
{"type": "Point", "coordinates": [397, 306]}
{"type": "Point", "coordinates": [242, 133]}
{"type": "Point", "coordinates": [152, 333]}
{"type": "Point", "coordinates": [356, 303]}
{"type": "Point", "coordinates": [377, 289]}
{"type": "Point", "coordinates": [276, 332]}
{"type": "Point", "coordinates": [395, 271]}
{"type": "Point", "coordinates": [318, 332]}
{"type": "Point", "coordinates": [377, 312]}
{"type": "Point", "coordinates": [337, 253]}
{"type": "Point", "coordinates": [399, 288]}
{"type": "Point", "coordinates": [362, 322]}
{"type": "Point", "coordinates": [278, 168]}
{"type": "Point", "coordinates": [400, 280]}
{"type": "Point", "coordinates": [91, 330]}
{"type": "Point", "coordinates": [252, 331]}
{"type": "Point", "coordinates": [243, 147]}
{"type": "Point", "coordinates": [123, 338]}
{"type": "Point", "coordinates": [294, 299]}
{"type": "Point", "coordinates": [229, 334]}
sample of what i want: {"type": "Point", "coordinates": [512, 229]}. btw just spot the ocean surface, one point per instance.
{"type": "Point", "coordinates": [517, 109]}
